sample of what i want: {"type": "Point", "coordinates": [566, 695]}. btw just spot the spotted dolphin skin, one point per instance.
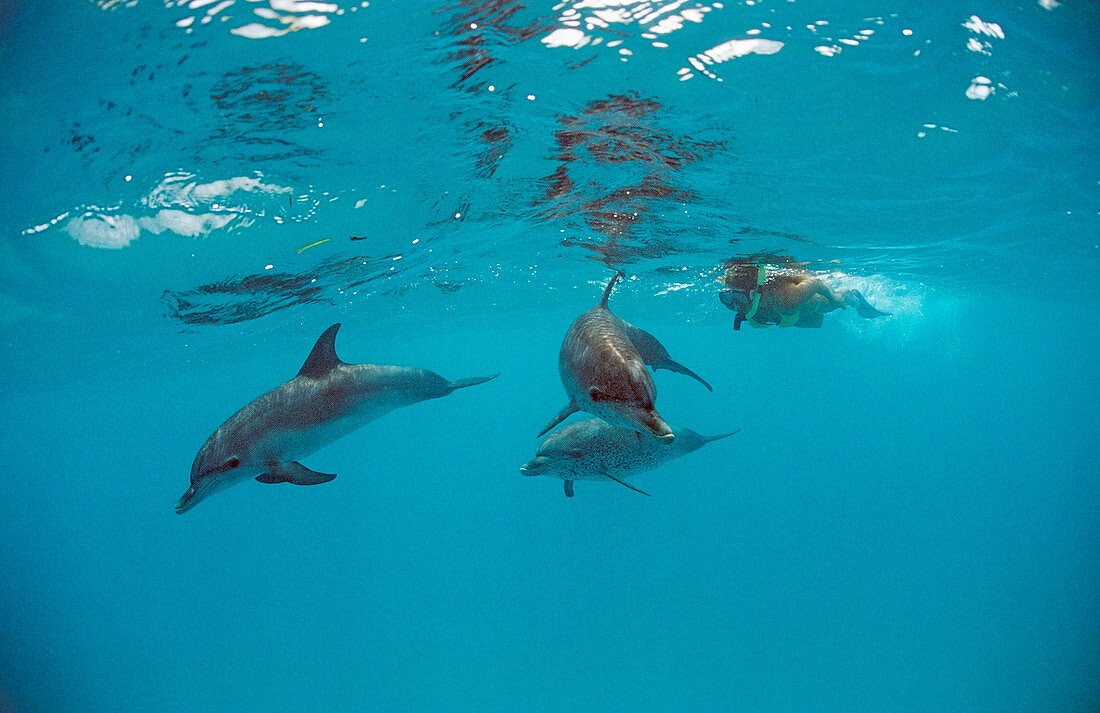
{"type": "Point", "coordinates": [327, 400]}
{"type": "Point", "coordinates": [593, 449]}
{"type": "Point", "coordinates": [602, 365]}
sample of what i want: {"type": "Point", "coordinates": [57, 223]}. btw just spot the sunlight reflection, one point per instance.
{"type": "Point", "coordinates": [839, 43]}
{"type": "Point", "coordinates": [982, 29]}
{"type": "Point", "coordinates": [980, 88]}
{"type": "Point", "coordinates": [114, 4]}
{"type": "Point", "coordinates": [727, 51]}
{"type": "Point", "coordinates": [275, 19]}
{"type": "Point", "coordinates": [596, 16]}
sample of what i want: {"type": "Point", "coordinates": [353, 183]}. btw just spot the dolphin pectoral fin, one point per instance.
{"type": "Point", "coordinates": [624, 483]}
{"type": "Point", "coordinates": [472, 381]}
{"type": "Point", "coordinates": [569, 488]}
{"type": "Point", "coordinates": [294, 473]}
{"type": "Point", "coordinates": [569, 410]}
{"type": "Point", "coordinates": [681, 369]}
{"type": "Point", "coordinates": [709, 439]}
{"type": "Point", "coordinates": [655, 355]}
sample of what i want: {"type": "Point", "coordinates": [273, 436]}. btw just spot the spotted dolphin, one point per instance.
{"type": "Point", "coordinates": [593, 449]}
{"type": "Point", "coordinates": [327, 400]}
{"type": "Point", "coordinates": [602, 366]}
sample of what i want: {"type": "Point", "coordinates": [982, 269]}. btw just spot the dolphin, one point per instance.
{"type": "Point", "coordinates": [593, 449]}
{"type": "Point", "coordinates": [602, 366]}
{"type": "Point", "coordinates": [327, 400]}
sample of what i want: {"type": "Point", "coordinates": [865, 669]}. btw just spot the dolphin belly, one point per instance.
{"type": "Point", "coordinates": [290, 444]}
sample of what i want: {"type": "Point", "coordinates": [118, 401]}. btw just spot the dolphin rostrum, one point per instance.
{"type": "Point", "coordinates": [602, 365]}
{"type": "Point", "coordinates": [593, 449]}
{"type": "Point", "coordinates": [327, 400]}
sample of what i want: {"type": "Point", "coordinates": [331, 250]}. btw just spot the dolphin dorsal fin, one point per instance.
{"type": "Point", "coordinates": [323, 358]}
{"type": "Point", "coordinates": [607, 291]}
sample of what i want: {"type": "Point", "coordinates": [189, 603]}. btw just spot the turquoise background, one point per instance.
{"type": "Point", "coordinates": [909, 519]}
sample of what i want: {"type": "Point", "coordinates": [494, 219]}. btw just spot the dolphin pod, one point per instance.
{"type": "Point", "coordinates": [327, 400]}
{"type": "Point", "coordinates": [602, 367]}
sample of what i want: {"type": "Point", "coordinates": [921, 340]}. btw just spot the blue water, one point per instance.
{"type": "Point", "coordinates": [909, 519]}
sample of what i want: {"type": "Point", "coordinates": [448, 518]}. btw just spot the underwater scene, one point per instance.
{"type": "Point", "coordinates": [578, 355]}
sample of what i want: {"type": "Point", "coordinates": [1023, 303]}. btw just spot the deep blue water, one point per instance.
{"type": "Point", "coordinates": [908, 520]}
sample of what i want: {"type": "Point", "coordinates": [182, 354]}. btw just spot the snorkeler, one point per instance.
{"type": "Point", "coordinates": [791, 298]}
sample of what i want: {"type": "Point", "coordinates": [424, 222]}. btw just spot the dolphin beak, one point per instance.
{"type": "Point", "coordinates": [658, 428]}
{"type": "Point", "coordinates": [532, 466]}
{"type": "Point", "coordinates": [643, 419]}
{"type": "Point", "coordinates": [189, 499]}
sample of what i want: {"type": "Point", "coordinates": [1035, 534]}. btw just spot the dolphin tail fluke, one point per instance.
{"type": "Point", "coordinates": [610, 285]}
{"type": "Point", "coordinates": [294, 473]}
{"type": "Point", "coordinates": [864, 308]}
{"type": "Point", "coordinates": [569, 488]}
{"type": "Point", "coordinates": [708, 439]}
{"type": "Point", "coordinates": [472, 381]}
{"type": "Point", "coordinates": [628, 485]}
{"type": "Point", "coordinates": [569, 410]}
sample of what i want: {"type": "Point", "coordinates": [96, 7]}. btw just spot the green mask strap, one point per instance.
{"type": "Point", "coordinates": [751, 311]}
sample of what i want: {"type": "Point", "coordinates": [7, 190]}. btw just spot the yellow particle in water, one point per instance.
{"type": "Point", "coordinates": [301, 250]}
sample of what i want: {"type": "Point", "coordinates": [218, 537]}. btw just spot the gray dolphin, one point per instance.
{"type": "Point", "coordinates": [602, 365]}
{"type": "Point", "coordinates": [327, 400]}
{"type": "Point", "coordinates": [593, 449]}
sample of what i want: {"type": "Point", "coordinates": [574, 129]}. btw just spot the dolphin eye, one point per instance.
{"type": "Point", "coordinates": [233, 462]}
{"type": "Point", "coordinates": [597, 396]}
{"type": "Point", "coordinates": [575, 453]}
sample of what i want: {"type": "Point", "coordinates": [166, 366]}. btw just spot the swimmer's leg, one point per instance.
{"type": "Point", "coordinates": [863, 307]}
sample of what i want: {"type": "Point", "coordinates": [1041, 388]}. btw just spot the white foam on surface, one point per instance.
{"type": "Point", "coordinates": [104, 231]}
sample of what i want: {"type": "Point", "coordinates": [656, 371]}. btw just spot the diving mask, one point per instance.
{"type": "Point", "coordinates": [737, 299]}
